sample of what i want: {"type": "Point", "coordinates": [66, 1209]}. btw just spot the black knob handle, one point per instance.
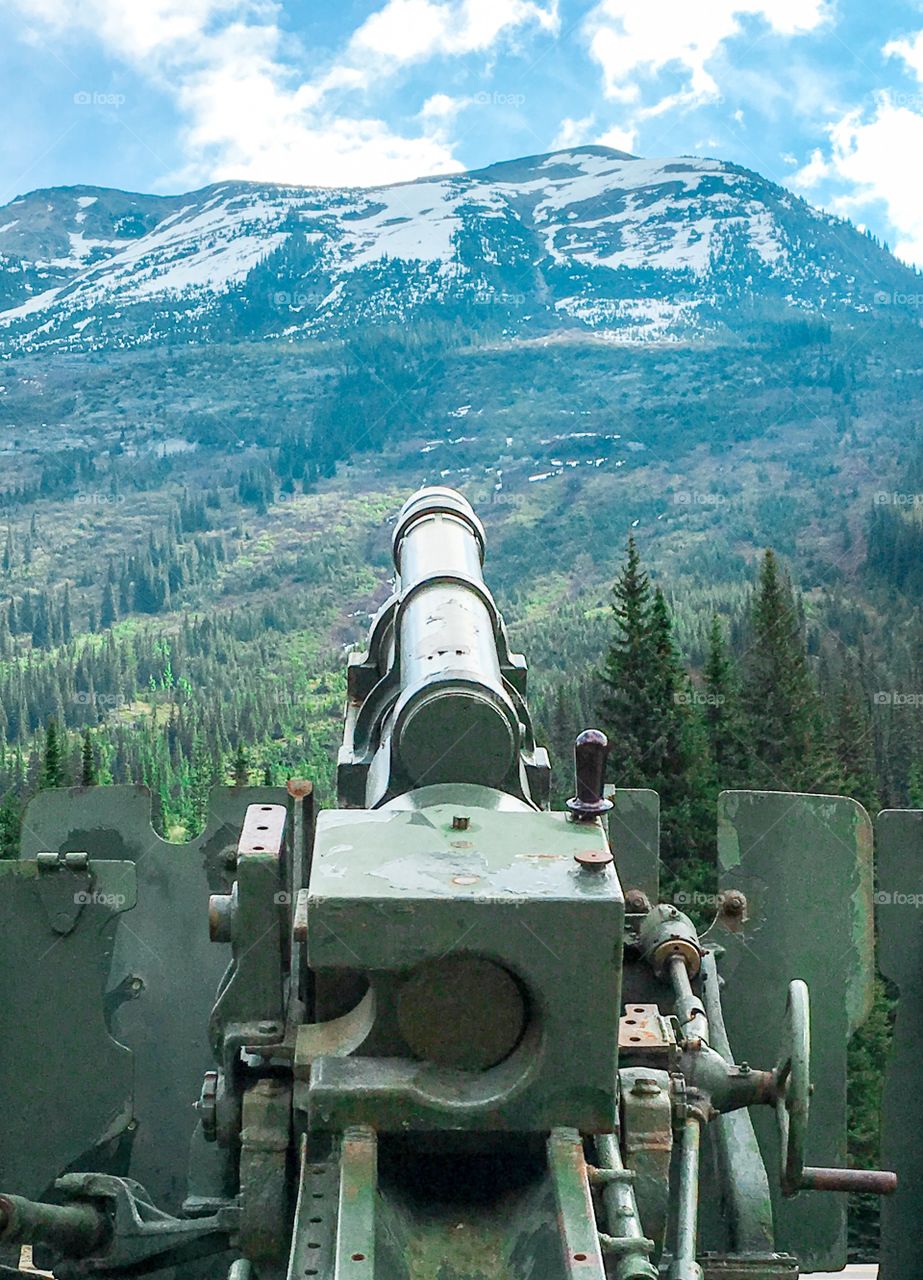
{"type": "Point", "coordinates": [591, 749]}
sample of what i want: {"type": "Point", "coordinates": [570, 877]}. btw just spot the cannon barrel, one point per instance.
{"type": "Point", "coordinates": [438, 698]}
{"type": "Point", "coordinates": [454, 720]}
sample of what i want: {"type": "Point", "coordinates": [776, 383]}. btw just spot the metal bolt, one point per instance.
{"type": "Point", "coordinates": [636, 901]}
{"type": "Point", "coordinates": [645, 1087]}
{"type": "Point", "coordinates": [733, 903]}
{"type": "Point", "coordinates": [267, 1028]}
{"type": "Point", "coordinates": [593, 859]}
{"type": "Point", "coordinates": [460, 822]}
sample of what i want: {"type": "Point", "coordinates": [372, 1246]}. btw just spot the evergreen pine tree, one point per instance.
{"type": "Point", "coordinates": [52, 771]}
{"type": "Point", "coordinates": [779, 698]}
{"type": "Point", "coordinates": [652, 723]}
{"type": "Point", "coordinates": [66, 625]}
{"type": "Point", "coordinates": [722, 715]}
{"type": "Point", "coordinates": [853, 741]}
{"type": "Point", "coordinates": [628, 675]}
{"type": "Point", "coordinates": [10, 819]}
{"type": "Point", "coordinates": [89, 775]}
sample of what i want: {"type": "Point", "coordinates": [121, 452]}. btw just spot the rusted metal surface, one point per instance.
{"type": "Point", "coordinates": [643, 1027]}
{"type": "Point", "coordinates": [580, 1246]}
{"type": "Point", "coordinates": [593, 859]}
{"type": "Point", "coordinates": [646, 1114]}
{"type": "Point", "coordinates": [355, 1246]}
{"type": "Point", "coordinates": [266, 1209]}
{"type": "Point", "coordinates": [876, 1182]}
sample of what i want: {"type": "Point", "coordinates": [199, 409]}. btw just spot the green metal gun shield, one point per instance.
{"type": "Point", "coordinates": [633, 826]}
{"type": "Point", "coordinates": [65, 1082]}
{"type": "Point", "coordinates": [804, 863]}
{"type": "Point", "coordinates": [899, 903]}
{"type": "Point", "coordinates": [162, 969]}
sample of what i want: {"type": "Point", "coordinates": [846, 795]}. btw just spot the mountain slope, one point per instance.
{"type": "Point", "coordinates": [647, 249]}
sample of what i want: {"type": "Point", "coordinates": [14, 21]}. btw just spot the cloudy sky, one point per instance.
{"type": "Point", "coordinates": [825, 96]}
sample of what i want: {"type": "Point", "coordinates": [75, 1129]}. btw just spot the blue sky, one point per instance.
{"type": "Point", "coordinates": [168, 95]}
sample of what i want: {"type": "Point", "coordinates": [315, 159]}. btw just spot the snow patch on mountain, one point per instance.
{"type": "Point", "coordinates": [650, 248]}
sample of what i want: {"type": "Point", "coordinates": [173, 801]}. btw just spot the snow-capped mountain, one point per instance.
{"type": "Point", "coordinates": [583, 238]}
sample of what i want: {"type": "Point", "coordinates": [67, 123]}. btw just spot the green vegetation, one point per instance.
{"type": "Point", "coordinates": [192, 538]}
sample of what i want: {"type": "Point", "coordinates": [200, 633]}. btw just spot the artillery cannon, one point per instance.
{"type": "Point", "coordinates": [455, 1034]}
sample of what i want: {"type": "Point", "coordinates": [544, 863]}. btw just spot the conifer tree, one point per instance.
{"type": "Point", "coordinates": [52, 771]}
{"type": "Point", "coordinates": [628, 675]}
{"type": "Point", "coordinates": [66, 625]}
{"type": "Point", "coordinates": [779, 697]}
{"type": "Point", "coordinates": [853, 740]}
{"type": "Point", "coordinates": [722, 714]}
{"type": "Point", "coordinates": [10, 819]}
{"type": "Point", "coordinates": [89, 775]}
{"type": "Point", "coordinates": [649, 715]}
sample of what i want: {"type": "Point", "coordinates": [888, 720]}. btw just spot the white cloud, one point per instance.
{"type": "Point", "coordinates": [620, 139]}
{"type": "Point", "coordinates": [251, 113]}
{"type": "Point", "coordinates": [910, 51]}
{"type": "Point", "coordinates": [572, 133]}
{"type": "Point", "coordinates": [632, 41]}
{"type": "Point", "coordinates": [408, 30]}
{"type": "Point", "coordinates": [575, 133]}
{"type": "Point", "coordinates": [873, 160]}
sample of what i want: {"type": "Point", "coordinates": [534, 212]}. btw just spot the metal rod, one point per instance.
{"type": "Point", "coordinates": [689, 1010]}
{"type": "Point", "coordinates": [632, 1261]}
{"type": "Point", "coordinates": [71, 1229]}
{"type": "Point", "coordinates": [744, 1183]}
{"type": "Point", "coordinates": [877, 1182]}
{"type": "Point", "coordinates": [684, 1265]}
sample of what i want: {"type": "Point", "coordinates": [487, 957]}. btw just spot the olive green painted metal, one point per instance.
{"type": "Point", "coordinates": [438, 696]}
{"type": "Point", "coordinates": [633, 828]}
{"type": "Point", "coordinates": [804, 866]}
{"type": "Point", "coordinates": [152, 985]}
{"type": "Point", "coordinates": [440, 1033]}
{"type": "Point", "coordinates": [57, 922]}
{"type": "Point", "coordinates": [899, 910]}
{"type": "Point", "coordinates": [455, 924]}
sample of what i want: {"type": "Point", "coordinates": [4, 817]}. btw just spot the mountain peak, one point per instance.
{"type": "Point", "coordinates": [585, 237]}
